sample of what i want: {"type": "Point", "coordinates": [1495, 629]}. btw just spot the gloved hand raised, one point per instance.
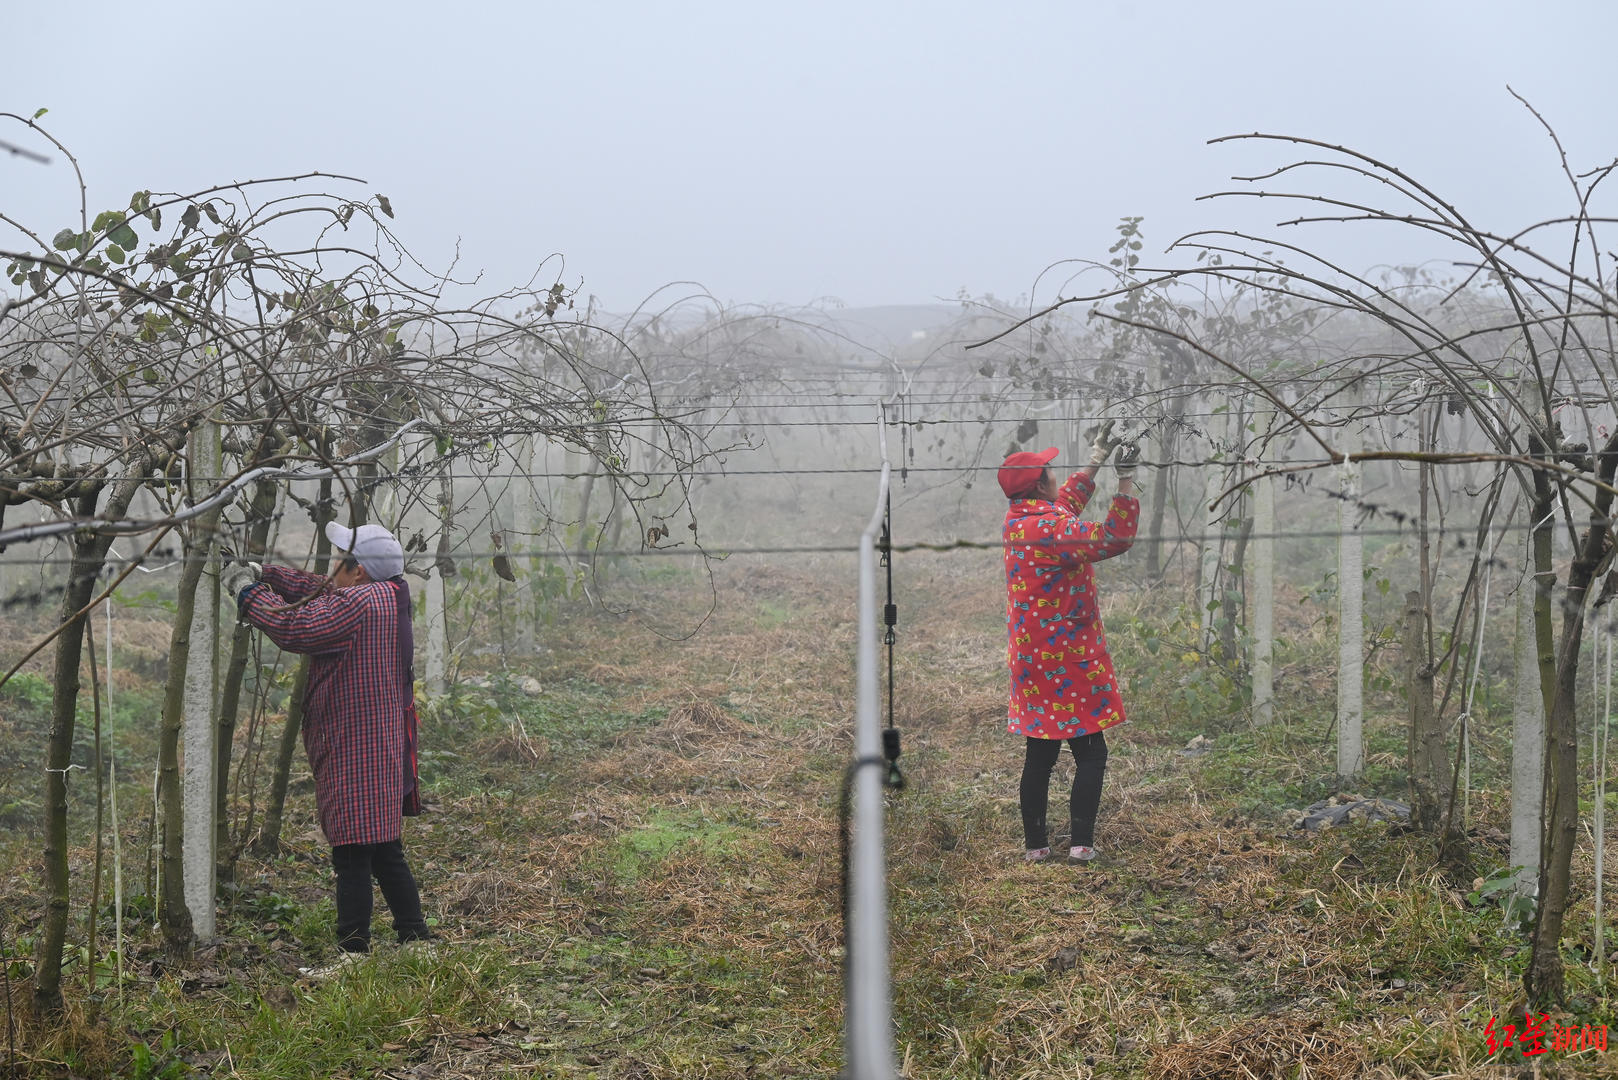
{"type": "Point", "coordinates": [239, 576]}
{"type": "Point", "coordinates": [1104, 443]}
{"type": "Point", "coordinates": [1128, 461]}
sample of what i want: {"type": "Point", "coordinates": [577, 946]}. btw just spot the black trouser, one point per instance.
{"type": "Point", "coordinates": [1089, 763]}
{"type": "Point", "coordinates": [356, 864]}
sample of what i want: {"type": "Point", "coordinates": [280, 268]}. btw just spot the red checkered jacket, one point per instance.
{"type": "Point", "coordinates": [354, 706]}
{"type": "Point", "coordinates": [1063, 682]}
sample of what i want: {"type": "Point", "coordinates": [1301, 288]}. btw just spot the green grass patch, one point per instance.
{"type": "Point", "coordinates": [774, 613]}
{"type": "Point", "coordinates": [666, 832]}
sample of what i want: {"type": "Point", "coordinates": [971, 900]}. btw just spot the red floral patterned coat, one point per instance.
{"type": "Point", "coordinates": [1062, 679]}
{"type": "Point", "coordinates": [354, 705]}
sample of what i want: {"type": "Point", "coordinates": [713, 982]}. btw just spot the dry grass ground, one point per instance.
{"type": "Point", "coordinates": [636, 873]}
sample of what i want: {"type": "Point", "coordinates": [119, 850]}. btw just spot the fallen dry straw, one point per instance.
{"type": "Point", "coordinates": [694, 725]}
{"type": "Point", "coordinates": [1270, 1048]}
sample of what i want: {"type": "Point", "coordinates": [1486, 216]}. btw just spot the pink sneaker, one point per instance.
{"type": "Point", "coordinates": [1037, 855]}
{"type": "Point", "coordinates": [1081, 854]}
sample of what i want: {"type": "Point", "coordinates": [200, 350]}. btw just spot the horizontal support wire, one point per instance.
{"type": "Point", "coordinates": [1462, 457]}
{"type": "Point", "coordinates": [1465, 535]}
{"type": "Point", "coordinates": [858, 470]}
{"type": "Point", "coordinates": [128, 526]}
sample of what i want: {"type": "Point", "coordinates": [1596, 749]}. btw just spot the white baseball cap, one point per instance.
{"type": "Point", "coordinates": [372, 546]}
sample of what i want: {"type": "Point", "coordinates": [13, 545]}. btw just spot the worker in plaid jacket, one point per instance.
{"type": "Point", "coordinates": [358, 714]}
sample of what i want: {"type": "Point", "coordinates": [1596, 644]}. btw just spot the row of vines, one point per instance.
{"type": "Point", "coordinates": [192, 379]}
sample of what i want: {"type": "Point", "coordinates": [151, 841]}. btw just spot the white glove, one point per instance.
{"type": "Point", "coordinates": [1104, 443]}
{"type": "Point", "coordinates": [239, 576]}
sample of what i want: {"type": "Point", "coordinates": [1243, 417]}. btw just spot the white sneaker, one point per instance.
{"type": "Point", "coordinates": [1081, 854]}
{"type": "Point", "coordinates": [1036, 854]}
{"type": "Point", "coordinates": [327, 972]}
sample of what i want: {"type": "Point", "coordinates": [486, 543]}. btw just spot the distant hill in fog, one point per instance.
{"type": "Point", "coordinates": [888, 328]}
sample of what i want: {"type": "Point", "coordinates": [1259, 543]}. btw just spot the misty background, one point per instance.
{"type": "Point", "coordinates": [837, 153]}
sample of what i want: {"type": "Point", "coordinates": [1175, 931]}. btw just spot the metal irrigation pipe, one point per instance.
{"type": "Point", "coordinates": [24, 533]}
{"type": "Point", "coordinates": [867, 990]}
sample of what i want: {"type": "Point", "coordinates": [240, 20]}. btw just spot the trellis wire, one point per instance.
{"type": "Point", "coordinates": [233, 485]}
{"type": "Point", "coordinates": [846, 470]}
{"type": "Point", "coordinates": [44, 530]}
{"type": "Point", "coordinates": [721, 551]}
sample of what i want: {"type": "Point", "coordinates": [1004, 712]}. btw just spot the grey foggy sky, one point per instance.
{"type": "Point", "coordinates": [874, 152]}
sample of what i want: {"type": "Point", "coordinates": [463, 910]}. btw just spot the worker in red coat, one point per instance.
{"type": "Point", "coordinates": [359, 714]}
{"type": "Point", "coordinates": [1063, 685]}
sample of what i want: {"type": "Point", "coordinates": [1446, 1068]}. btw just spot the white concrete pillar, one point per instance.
{"type": "Point", "coordinates": [1350, 608]}
{"type": "Point", "coordinates": [1263, 570]}
{"type": "Point", "coordinates": [1527, 742]}
{"type": "Point", "coordinates": [520, 540]}
{"type": "Point", "coordinates": [387, 501]}
{"type": "Point", "coordinates": [435, 661]}
{"type": "Point", "coordinates": [199, 776]}
{"type": "Point", "coordinates": [435, 667]}
{"type": "Point", "coordinates": [1213, 527]}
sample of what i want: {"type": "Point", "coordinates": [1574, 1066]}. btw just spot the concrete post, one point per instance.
{"type": "Point", "coordinates": [1350, 611]}
{"type": "Point", "coordinates": [1263, 568]}
{"type": "Point", "coordinates": [199, 776]}
{"type": "Point", "coordinates": [1527, 744]}
{"type": "Point", "coordinates": [520, 540]}
{"type": "Point", "coordinates": [435, 665]}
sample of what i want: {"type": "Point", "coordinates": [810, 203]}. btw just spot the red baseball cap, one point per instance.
{"type": "Point", "coordinates": [1021, 470]}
